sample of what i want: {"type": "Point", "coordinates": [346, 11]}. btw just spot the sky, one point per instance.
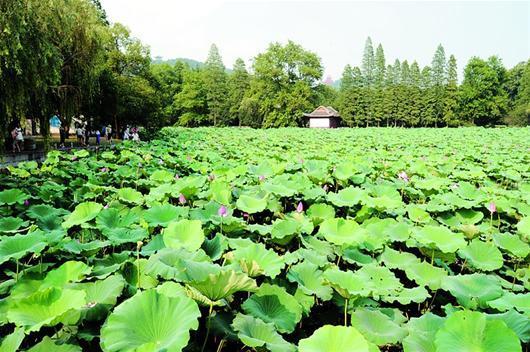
{"type": "Point", "coordinates": [335, 31]}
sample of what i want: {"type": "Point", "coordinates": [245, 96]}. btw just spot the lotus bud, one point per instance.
{"type": "Point", "coordinates": [74, 158]}
{"type": "Point", "coordinates": [182, 199]}
{"type": "Point", "coordinates": [245, 215]}
{"type": "Point", "coordinates": [106, 206]}
{"type": "Point", "coordinates": [177, 176]}
{"type": "Point", "coordinates": [403, 176]}
{"type": "Point", "coordinates": [139, 245]}
{"type": "Point", "coordinates": [26, 202]}
{"type": "Point", "coordinates": [261, 178]}
{"type": "Point", "coordinates": [299, 207]}
{"type": "Point", "coordinates": [492, 207]}
{"type": "Point", "coordinates": [325, 188]}
{"type": "Point", "coordinates": [222, 212]}
{"type": "Point", "coordinates": [104, 169]}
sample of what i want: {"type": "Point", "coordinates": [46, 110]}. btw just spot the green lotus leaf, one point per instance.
{"type": "Point", "coordinates": [309, 279]}
{"type": "Point", "coordinates": [44, 307]}
{"type": "Point", "coordinates": [221, 192]}
{"type": "Point", "coordinates": [111, 219]}
{"type": "Point", "coordinates": [422, 331]}
{"type": "Point", "coordinates": [287, 300]}
{"type": "Point", "coordinates": [82, 213]}
{"type": "Point", "coordinates": [269, 309]}
{"type": "Point", "coordinates": [320, 212]}
{"type": "Point", "coordinates": [17, 246]}
{"type": "Point", "coordinates": [418, 214]}
{"type": "Point", "coordinates": [425, 274]}
{"type": "Point", "coordinates": [219, 286]}
{"type": "Point", "coordinates": [440, 237]}
{"type": "Point", "coordinates": [469, 217]}
{"type": "Point", "coordinates": [130, 195]}
{"type": "Point", "coordinates": [43, 210]}
{"type": "Point", "coordinates": [251, 205]}
{"type": "Point", "coordinates": [512, 243]}
{"type": "Point", "coordinates": [150, 321]}
{"type": "Point", "coordinates": [523, 227]}
{"type": "Point", "coordinates": [12, 196]}
{"type": "Point", "coordinates": [474, 290]}
{"type": "Point", "coordinates": [482, 255]}
{"type": "Point", "coordinates": [181, 265]}
{"type": "Point", "coordinates": [284, 230]}
{"type": "Point", "coordinates": [71, 271]}
{"type": "Point", "coordinates": [12, 342]}
{"type": "Point", "coordinates": [377, 327]}
{"type": "Point", "coordinates": [346, 283]}
{"type": "Point", "coordinates": [397, 260]}
{"type": "Point", "coordinates": [171, 289]}
{"type": "Point", "coordinates": [470, 331]}
{"type": "Point", "coordinates": [254, 332]}
{"type": "Point", "coordinates": [379, 280]}
{"type": "Point", "coordinates": [353, 255]}
{"type": "Point", "coordinates": [407, 295]}
{"type": "Point", "coordinates": [255, 259]}
{"type": "Point", "coordinates": [348, 197]}
{"type": "Point", "coordinates": [329, 338]}
{"type": "Point", "coordinates": [11, 224]}
{"type": "Point", "coordinates": [101, 295]}
{"type": "Point", "coordinates": [341, 231]}
{"type": "Point", "coordinates": [161, 177]}
{"type": "Point", "coordinates": [163, 215]}
{"type": "Point", "coordinates": [519, 323]}
{"type": "Point", "coordinates": [216, 246]}
{"type": "Point", "coordinates": [509, 300]}
{"type": "Point", "coordinates": [47, 345]}
{"type": "Point", "coordinates": [185, 233]}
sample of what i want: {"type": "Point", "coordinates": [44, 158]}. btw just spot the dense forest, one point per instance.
{"type": "Point", "coordinates": [63, 56]}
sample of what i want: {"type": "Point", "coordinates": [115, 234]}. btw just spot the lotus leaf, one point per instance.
{"type": "Point", "coordinates": [251, 205]}
{"type": "Point", "coordinates": [512, 244]}
{"type": "Point", "coordinates": [254, 332]}
{"type": "Point", "coordinates": [471, 331]}
{"type": "Point", "coordinates": [17, 246]}
{"type": "Point", "coordinates": [422, 331]}
{"type": "Point", "coordinates": [12, 196]}
{"type": "Point", "coordinates": [221, 285]}
{"type": "Point", "coordinates": [342, 231]}
{"type": "Point", "coordinates": [335, 338]}
{"type": "Point", "coordinates": [185, 233]}
{"type": "Point", "coordinates": [440, 237]}
{"type": "Point", "coordinates": [256, 260]}
{"type": "Point", "coordinates": [150, 321]}
{"type": "Point", "coordinates": [11, 224]}
{"type": "Point", "coordinates": [309, 280]}
{"type": "Point", "coordinates": [47, 345]}
{"type": "Point", "coordinates": [44, 307]}
{"type": "Point", "coordinates": [473, 290]}
{"type": "Point", "coordinates": [83, 212]}
{"type": "Point", "coordinates": [482, 255]}
{"type": "Point", "coordinates": [377, 327]}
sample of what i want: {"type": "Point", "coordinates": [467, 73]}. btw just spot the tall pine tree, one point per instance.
{"type": "Point", "coordinates": [439, 81]}
{"type": "Point", "coordinates": [215, 84]}
{"type": "Point", "coordinates": [451, 94]}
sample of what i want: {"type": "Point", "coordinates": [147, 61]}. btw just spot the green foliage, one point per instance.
{"type": "Point", "coordinates": [376, 232]}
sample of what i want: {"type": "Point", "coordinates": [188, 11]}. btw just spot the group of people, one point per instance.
{"type": "Point", "coordinates": [131, 133]}
{"type": "Point", "coordinates": [83, 134]}
{"type": "Point", "coordinates": [18, 139]}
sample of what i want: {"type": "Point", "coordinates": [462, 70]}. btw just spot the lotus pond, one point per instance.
{"type": "Point", "coordinates": [271, 240]}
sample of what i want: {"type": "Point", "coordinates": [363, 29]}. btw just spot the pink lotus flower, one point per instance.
{"type": "Point", "coordinates": [245, 215]}
{"type": "Point", "coordinates": [26, 202]}
{"type": "Point", "coordinates": [492, 207]}
{"type": "Point", "coordinates": [222, 212]}
{"type": "Point", "coordinates": [104, 169]}
{"type": "Point", "coordinates": [403, 176]}
{"type": "Point", "coordinates": [261, 178]}
{"type": "Point", "coordinates": [177, 176]}
{"type": "Point", "coordinates": [182, 199]}
{"type": "Point", "coordinates": [325, 188]}
{"type": "Point", "coordinates": [299, 207]}
{"type": "Point", "coordinates": [106, 206]}
{"type": "Point", "coordinates": [74, 158]}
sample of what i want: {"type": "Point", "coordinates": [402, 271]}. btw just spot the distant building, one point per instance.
{"type": "Point", "coordinates": [323, 117]}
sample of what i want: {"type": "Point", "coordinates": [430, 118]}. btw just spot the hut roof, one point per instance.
{"type": "Point", "coordinates": [323, 111]}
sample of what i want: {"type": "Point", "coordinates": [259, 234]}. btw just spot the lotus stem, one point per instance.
{"type": "Point", "coordinates": [221, 344]}
{"type": "Point", "coordinates": [346, 312]}
{"type": "Point", "coordinates": [207, 327]}
{"type": "Point", "coordinates": [138, 246]}
{"type": "Point", "coordinates": [16, 275]}
{"type": "Point", "coordinates": [463, 266]}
